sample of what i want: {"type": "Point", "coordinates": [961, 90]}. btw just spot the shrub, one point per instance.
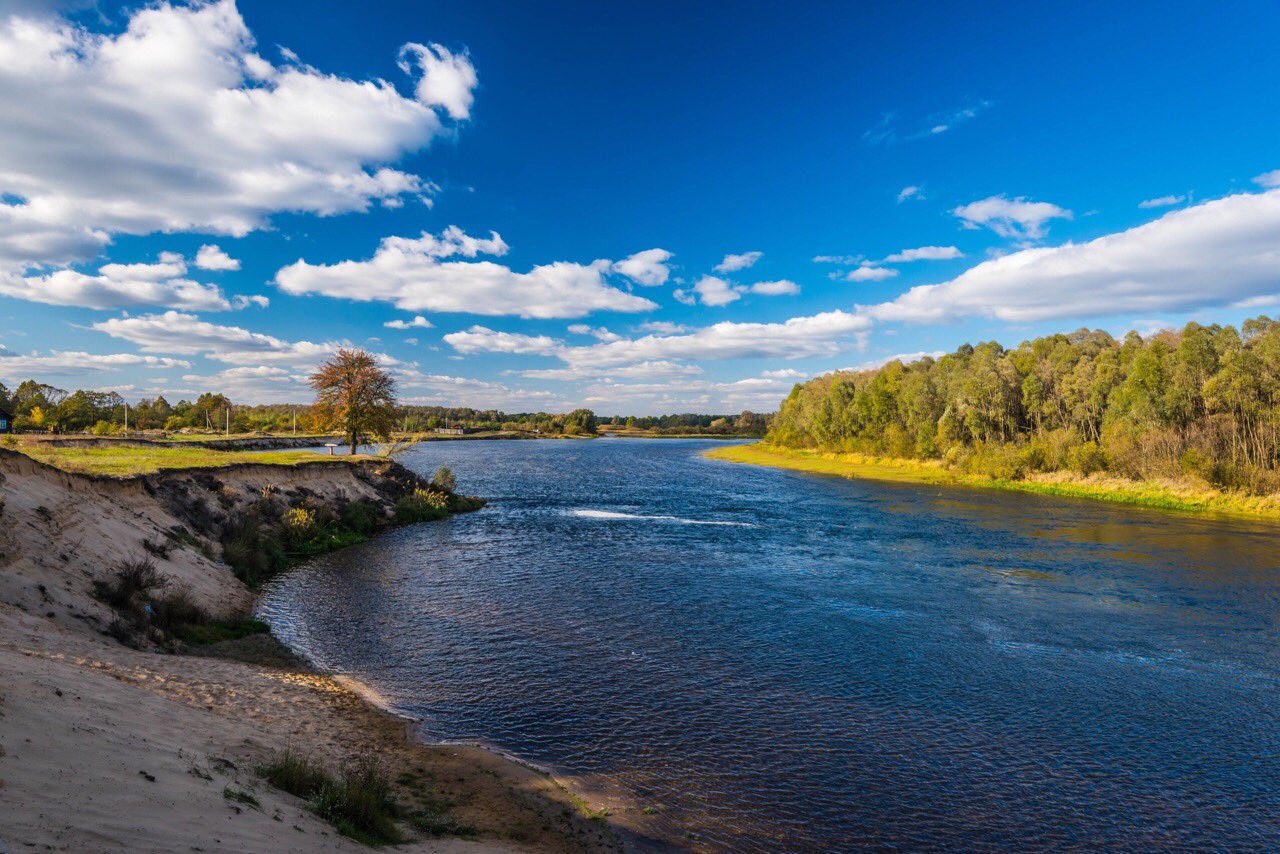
{"type": "Point", "coordinates": [359, 804]}
{"type": "Point", "coordinates": [253, 552]}
{"type": "Point", "coordinates": [296, 774]}
{"type": "Point", "coordinates": [176, 609]}
{"type": "Point", "coordinates": [444, 480]}
{"type": "Point", "coordinates": [299, 525]}
{"type": "Point", "coordinates": [423, 505]}
{"type": "Point", "coordinates": [129, 587]}
{"type": "Point", "coordinates": [1087, 458]}
{"type": "Point", "coordinates": [363, 517]}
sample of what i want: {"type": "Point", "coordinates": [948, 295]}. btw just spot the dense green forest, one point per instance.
{"type": "Point", "coordinates": [1201, 403]}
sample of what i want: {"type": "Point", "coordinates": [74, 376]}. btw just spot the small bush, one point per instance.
{"type": "Point", "coordinates": [129, 587]}
{"type": "Point", "coordinates": [363, 517]}
{"type": "Point", "coordinates": [175, 610]}
{"type": "Point", "coordinates": [423, 505]}
{"type": "Point", "coordinates": [299, 525]}
{"type": "Point", "coordinates": [444, 479]}
{"type": "Point", "coordinates": [359, 805]}
{"type": "Point", "coordinates": [296, 774]}
{"type": "Point", "coordinates": [1087, 458]}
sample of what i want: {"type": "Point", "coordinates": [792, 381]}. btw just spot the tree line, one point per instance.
{"type": "Point", "coordinates": [1202, 402]}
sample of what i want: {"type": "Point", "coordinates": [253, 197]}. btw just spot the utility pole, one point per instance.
{"type": "Point", "coordinates": [228, 420]}
{"type": "Point", "coordinates": [295, 422]}
{"type": "Point", "coordinates": [126, 420]}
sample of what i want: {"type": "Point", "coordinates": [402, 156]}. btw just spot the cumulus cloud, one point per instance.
{"type": "Point", "coordinates": [924, 253]}
{"type": "Point", "coordinates": [799, 337]}
{"type": "Point", "coordinates": [1014, 218]}
{"type": "Point", "coordinates": [781, 287]}
{"type": "Point", "coordinates": [418, 322]}
{"type": "Point", "coordinates": [448, 80]}
{"type": "Point", "coordinates": [837, 259]}
{"type": "Point", "coordinates": [1215, 253]}
{"type": "Point", "coordinates": [1162, 202]}
{"type": "Point", "coordinates": [662, 327]}
{"type": "Point", "coordinates": [410, 274]}
{"type": "Point", "coordinates": [784, 374]}
{"type": "Point", "coordinates": [868, 273]}
{"type": "Point", "coordinates": [639, 370]}
{"type": "Point", "coordinates": [68, 363]}
{"type": "Point", "coordinates": [1268, 179]}
{"type": "Point", "coordinates": [481, 339]}
{"type": "Point", "coordinates": [211, 257]}
{"type": "Point", "coordinates": [181, 333]}
{"type": "Point", "coordinates": [163, 283]}
{"type": "Point", "coordinates": [648, 268]}
{"type": "Point", "coordinates": [733, 263]}
{"type": "Point", "coordinates": [904, 358]}
{"type": "Point", "coordinates": [599, 333]}
{"type": "Point", "coordinates": [911, 192]}
{"type": "Point", "coordinates": [177, 124]}
{"type": "Point", "coordinates": [715, 291]}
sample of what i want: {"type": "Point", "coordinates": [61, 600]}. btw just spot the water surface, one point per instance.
{"type": "Point", "coordinates": [776, 660]}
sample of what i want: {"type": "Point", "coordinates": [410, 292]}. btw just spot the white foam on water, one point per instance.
{"type": "Point", "coordinates": [611, 516]}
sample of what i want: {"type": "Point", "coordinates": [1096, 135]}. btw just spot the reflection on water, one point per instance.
{"type": "Point", "coordinates": [834, 662]}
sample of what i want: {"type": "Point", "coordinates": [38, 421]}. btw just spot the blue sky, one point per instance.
{"type": "Point", "coordinates": [970, 171]}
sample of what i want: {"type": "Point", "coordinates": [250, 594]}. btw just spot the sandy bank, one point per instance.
{"type": "Point", "coordinates": [107, 748]}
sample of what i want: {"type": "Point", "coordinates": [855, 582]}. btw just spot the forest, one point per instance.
{"type": "Point", "coordinates": [1202, 403]}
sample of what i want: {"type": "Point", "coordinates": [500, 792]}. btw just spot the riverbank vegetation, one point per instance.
{"type": "Point", "coordinates": [1189, 419]}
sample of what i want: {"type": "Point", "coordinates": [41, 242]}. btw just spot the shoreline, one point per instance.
{"type": "Point", "coordinates": [108, 746]}
{"type": "Point", "coordinates": [1166, 496]}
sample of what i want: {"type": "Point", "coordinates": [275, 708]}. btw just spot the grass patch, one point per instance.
{"type": "Point", "coordinates": [357, 802]}
{"type": "Point", "coordinates": [239, 797]}
{"type": "Point", "coordinates": [1163, 496]}
{"type": "Point", "coordinates": [123, 461]}
{"type": "Point", "coordinates": [216, 631]}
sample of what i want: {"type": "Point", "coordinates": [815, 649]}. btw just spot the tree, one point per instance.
{"type": "Point", "coordinates": [353, 393]}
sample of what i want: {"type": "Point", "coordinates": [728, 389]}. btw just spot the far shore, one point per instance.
{"type": "Point", "coordinates": [1175, 496]}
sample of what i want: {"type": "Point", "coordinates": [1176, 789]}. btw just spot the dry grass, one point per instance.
{"type": "Point", "coordinates": [1165, 495]}
{"type": "Point", "coordinates": [123, 461]}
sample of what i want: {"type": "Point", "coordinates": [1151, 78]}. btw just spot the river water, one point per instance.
{"type": "Point", "coordinates": [773, 660]}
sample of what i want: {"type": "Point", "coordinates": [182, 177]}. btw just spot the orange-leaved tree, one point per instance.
{"type": "Point", "coordinates": [355, 395]}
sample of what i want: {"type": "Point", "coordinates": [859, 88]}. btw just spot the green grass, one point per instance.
{"type": "Point", "coordinates": [1189, 498]}
{"type": "Point", "coordinates": [123, 461]}
{"type": "Point", "coordinates": [215, 631]}
{"type": "Point", "coordinates": [358, 802]}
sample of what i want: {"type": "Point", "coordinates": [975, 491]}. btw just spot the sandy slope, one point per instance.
{"type": "Point", "coordinates": [106, 748]}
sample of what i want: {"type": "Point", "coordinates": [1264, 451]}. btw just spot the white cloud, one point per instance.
{"type": "Point", "coordinates": [179, 333]}
{"type": "Point", "coordinates": [714, 291]}
{"type": "Point", "coordinates": [163, 283]}
{"type": "Point", "coordinates": [448, 80]}
{"type": "Point", "coordinates": [408, 273]}
{"type": "Point", "coordinates": [211, 257]}
{"type": "Point", "coordinates": [481, 339]}
{"type": "Point", "coordinates": [1013, 218]}
{"type": "Point", "coordinates": [733, 263]}
{"type": "Point", "coordinates": [924, 253]}
{"type": "Point", "coordinates": [64, 363]}
{"type": "Point", "coordinates": [648, 268]}
{"type": "Point", "coordinates": [638, 370]}
{"type": "Point", "coordinates": [1215, 253]}
{"type": "Point", "coordinates": [784, 374]}
{"type": "Point", "coordinates": [1268, 179]}
{"type": "Point", "coordinates": [904, 358]}
{"type": "Point", "coordinates": [176, 124]}
{"type": "Point", "coordinates": [1162, 202]}
{"type": "Point", "coordinates": [781, 287]}
{"type": "Point", "coordinates": [911, 192]}
{"type": "Point", "coordinates": [662, 327]}
{"type": "Point", "coordinates": [837, 259]}
{"type": "Point", "coordinates": [599, 333]}
{"type": "Point", "coordinates": [868, 273]}
{"type": "Point", "coordinates": [419, 322]}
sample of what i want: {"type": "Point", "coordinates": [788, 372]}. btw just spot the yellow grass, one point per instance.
{"type": "Point", "coordinates": [1187, 497]}
{"type": "Point", "coordinates": [121, 461]}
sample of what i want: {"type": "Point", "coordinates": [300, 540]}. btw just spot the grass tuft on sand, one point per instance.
{"type": "Point", "coordinates": [123, 461]}
{"type": "Point", "coordinates": [1165, 496]}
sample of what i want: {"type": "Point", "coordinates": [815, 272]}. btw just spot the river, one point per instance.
{"type": "Point", "coordinates": [774, 660]}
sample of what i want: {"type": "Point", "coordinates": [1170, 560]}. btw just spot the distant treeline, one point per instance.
{"type": "Point", "coordinates": [1203, 403]}
{"type": "Point", "coordinates": [41, 407]}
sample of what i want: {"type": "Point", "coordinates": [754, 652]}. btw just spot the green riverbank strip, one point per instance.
{"type": "Point", "coordinates": [1170, 496]}
{"type": "Point", "coordinates": [123, 461]}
